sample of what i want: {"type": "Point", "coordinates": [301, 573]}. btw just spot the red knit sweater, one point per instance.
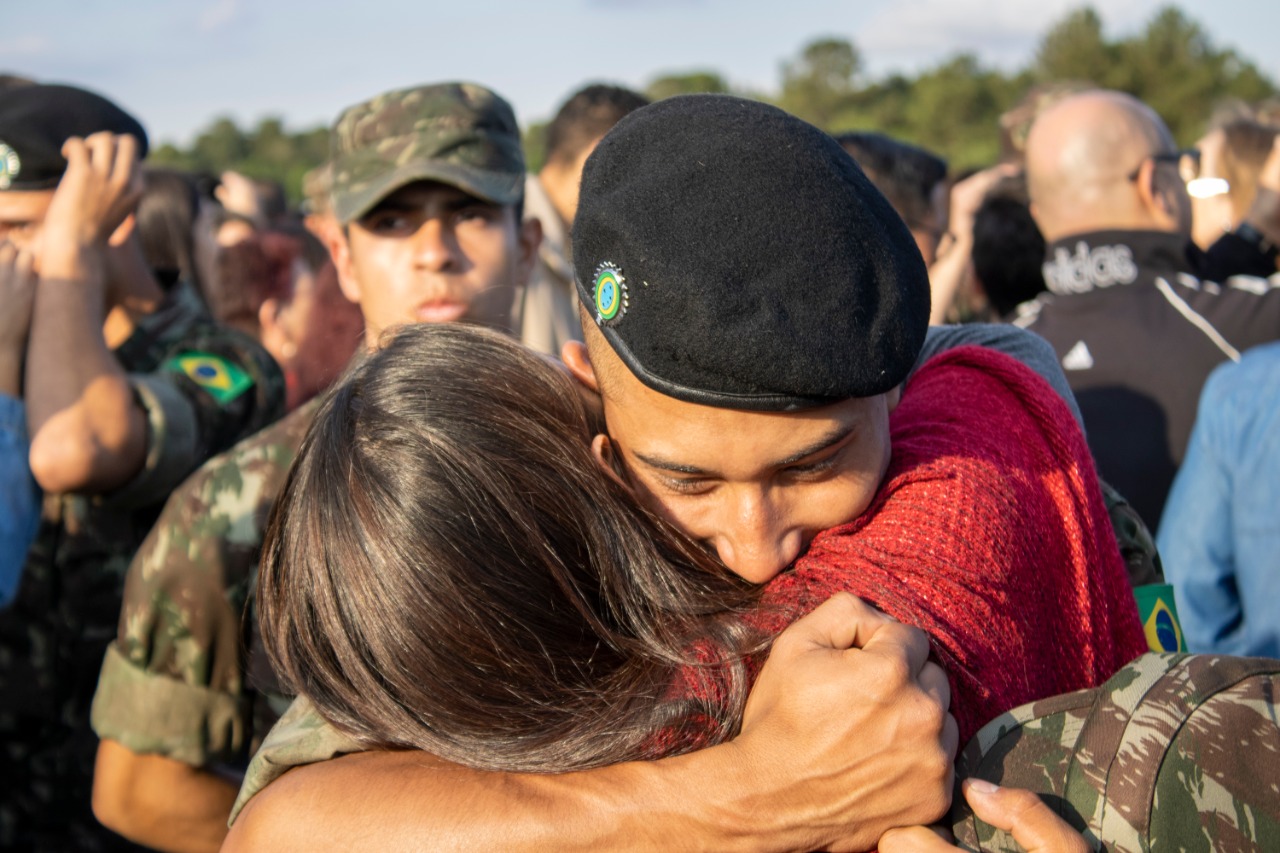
{"type": "Point", "coordinates": [989, 532]}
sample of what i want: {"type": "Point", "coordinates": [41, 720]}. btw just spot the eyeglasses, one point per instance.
{"type": "Point", "coordinates": [1187, 161]}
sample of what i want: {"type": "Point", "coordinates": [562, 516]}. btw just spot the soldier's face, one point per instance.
{"type": "Point", "coordinates": [431, 253]}
{"type": "Point", "coordinates": [21, 214]}
{"type": "Point", "coordinates": [755, 487]}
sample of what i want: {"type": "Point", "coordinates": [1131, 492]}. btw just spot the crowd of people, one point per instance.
{"type": "Point", "coordinates": [724, 484]}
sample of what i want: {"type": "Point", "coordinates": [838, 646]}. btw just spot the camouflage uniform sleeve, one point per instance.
{"type": "Point", "coordinates": [301, 737]}
{"type": "Point", "coordinates": [206, 393]}
{"type": "Point", "coordinates": [173, 681]}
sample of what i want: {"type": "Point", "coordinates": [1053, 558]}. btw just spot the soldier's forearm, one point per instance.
{"type": "Point", "coordinates": [87, 432]}
{"type": "Point", "coordinates": [159, 802]}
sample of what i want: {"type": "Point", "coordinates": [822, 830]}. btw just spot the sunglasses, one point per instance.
{"type": "Point", "coordinates": [1187, 160]}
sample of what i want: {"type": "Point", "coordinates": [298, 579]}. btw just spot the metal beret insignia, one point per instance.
{"type": "Point", "coordinates": [612, 297]}
{"type": "Point", "coordinates": [10, 166]}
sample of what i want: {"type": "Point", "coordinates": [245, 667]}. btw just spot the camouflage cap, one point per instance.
{"type": "Point", "coordinates": [1173, 752]}
{"type": "Point", "coordinates": [460, 134]}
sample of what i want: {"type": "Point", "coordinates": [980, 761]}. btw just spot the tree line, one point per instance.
{"type": "Point", "coordinates": [952, 108]}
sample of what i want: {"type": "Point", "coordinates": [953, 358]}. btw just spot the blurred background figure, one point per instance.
{"type": "Point", "coordinates": [1220, 535]}
{"type": "Point", "coordinates": [167, 218]}
{"type": "Point", "coordinates": [913, 179]}
{"type": "Point", "coordinates": [306, 323]}
{"type": "Point", "coordinates": [1008, 248]}
{"type": "Point", "coordinates": [1231, 160]}
{"type": "Point", "coordinates": [550, 315]}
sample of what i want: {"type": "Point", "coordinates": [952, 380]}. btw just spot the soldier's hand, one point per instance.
{"type": "Point", "coordinates": [99, 189]}
{"type": "Point", "coordinates": [847, 728]}
{"type": "Point", "coordinates": [1017, 811]}
{"type": "Point", "coordinates": [17, 292]}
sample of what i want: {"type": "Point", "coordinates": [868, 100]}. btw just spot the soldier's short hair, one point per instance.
{"type": "Point", "coordinates": [586, 116]}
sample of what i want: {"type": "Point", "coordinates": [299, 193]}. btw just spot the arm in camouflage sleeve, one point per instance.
{"type": "Point", "coordinates": [87, 434]}
{"type": "Point", "coordinates": [171, 699]}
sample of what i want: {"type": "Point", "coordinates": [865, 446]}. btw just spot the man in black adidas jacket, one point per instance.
{"type": "Point", "coordinates": [1137, 314]}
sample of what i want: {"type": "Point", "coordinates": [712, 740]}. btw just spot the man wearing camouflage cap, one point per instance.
{"type": "Point", "coordinates": [426, 191]}
{"type": "Point", "coordinates": [753, 308]}
{"type": "Point", "coordinates": [119, 413]}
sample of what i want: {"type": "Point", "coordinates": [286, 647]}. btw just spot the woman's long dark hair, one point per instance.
{"type": "Point", "coordinates": [448, 569]}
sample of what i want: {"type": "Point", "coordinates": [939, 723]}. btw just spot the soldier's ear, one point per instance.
{"type": "Point", "coordinates": [529, 238]}
{"type": "Point", "coordinates": [608, 460]}
{"type": "Point", "coordinates": [276, 338]}
{"type": "Point", "coordinates": [339, 246]}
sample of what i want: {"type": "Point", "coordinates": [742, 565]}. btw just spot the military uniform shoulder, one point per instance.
{"type": "Point", "coordinates": [275, 444]}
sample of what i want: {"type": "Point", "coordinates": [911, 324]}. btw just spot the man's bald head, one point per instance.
{"type": "Point", "coordinates": [1081, 153]}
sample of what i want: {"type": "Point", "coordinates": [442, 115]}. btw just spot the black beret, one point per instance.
{"type": "Point", "coordinates": [736, 256]}
{"type": "Point", "coordinates": [36, 120]}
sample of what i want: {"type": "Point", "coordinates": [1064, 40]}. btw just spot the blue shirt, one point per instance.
{"type": "Point", "coordinates": [19, 497]}
{"type": "Point", "coordinates": [1220, 535]}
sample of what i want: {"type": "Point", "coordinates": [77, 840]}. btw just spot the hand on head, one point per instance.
{"type": "Point", "coordinates": [97, 193]}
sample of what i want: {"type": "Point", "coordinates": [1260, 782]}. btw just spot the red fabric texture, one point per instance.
{"type": "Point", "coordinates": [989, 533]}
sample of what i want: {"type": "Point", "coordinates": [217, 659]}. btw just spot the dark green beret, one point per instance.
{"type": "Point", "coordinates": [736, 256]}
{"type": "Point", "coordinates": [36, 120]}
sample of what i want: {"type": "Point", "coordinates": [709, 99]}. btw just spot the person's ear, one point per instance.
{"type": "Point", "coordinates": [339, 247]}
{"type": "Point", "coordinates": [1157, 195]}
{"type": "Point", "coordinates": [529, 238]}
{"type": "Point", "coordinates": [575, 357]}
{"type": "Point", "coordinates": [275, 334]}
{"type": "Point", "coordinates": [602, 450]}
{"type": "Point", "coordinates": [893, 397]}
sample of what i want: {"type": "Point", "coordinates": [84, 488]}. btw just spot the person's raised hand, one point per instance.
{"type": "Point", "coordinates": [847, 729]}
{"type": "Point", "coordinates": [98, 191]}
{"type": "Point", "coordinates": [1017, 811]}
{"type": "Point", "coordinates": [238, 195]}
{"type": "Point", "coordinates": [967, 196]}
{"type": "Point", "coordinates": [17, 292]}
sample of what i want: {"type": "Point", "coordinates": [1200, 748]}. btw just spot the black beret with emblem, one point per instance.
{"type": "Point", "coordinates": [36, 120]}
{"type": "Point", "coordinates": [735, 256]}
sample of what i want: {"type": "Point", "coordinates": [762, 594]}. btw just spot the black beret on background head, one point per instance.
{"type": "Point", "coordinates": [735, 256]}
{"type": "Point", "coordinates": [36, 120]}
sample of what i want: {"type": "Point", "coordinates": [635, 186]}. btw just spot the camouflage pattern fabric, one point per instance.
{"type": "Point", "coordinates": [174, 681]}
{"type": "Point", "coordinates": [301, 737]}
{"type": "Point", "coordinates": [1174, 752]}
{"type": "Point", "coordinates": [460, 134]}
{"type": "Point", "coordinates": [53, 637]}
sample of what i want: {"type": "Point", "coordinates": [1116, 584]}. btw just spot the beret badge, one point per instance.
{"type": "Point", "coordinates": [10, 166]}
{"type": "Point", "coordinates": [612, 298]}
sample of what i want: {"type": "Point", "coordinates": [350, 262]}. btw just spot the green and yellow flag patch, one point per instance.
{"type": "Point", "coordinates": [223, 380]}
{"type": "Point", "coordinates": [1159, 614]}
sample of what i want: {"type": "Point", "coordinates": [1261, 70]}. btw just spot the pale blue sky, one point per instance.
{"type": "Point", "coordinates": [179, 63]}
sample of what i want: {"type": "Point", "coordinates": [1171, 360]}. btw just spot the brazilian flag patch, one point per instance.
{"type": "Point", "coordinates": [223, 380]}
{"type": "Point", "coordinates": [1159, 614]}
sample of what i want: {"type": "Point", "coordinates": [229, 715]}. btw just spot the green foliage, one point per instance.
{"type": "Point", "coordinates": [535, 145]}
{"type": "Point", "coordinates": [819, 84]}
{"type": "Point", "coordinates": [687, 83]}
{"type": "Point", "coordinates": [952, 108]}
{"type": "Point", "coordinates": [268, 152]}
